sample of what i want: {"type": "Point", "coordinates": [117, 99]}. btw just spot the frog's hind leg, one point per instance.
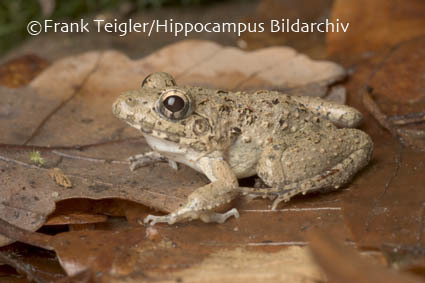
{"type": "Point", "coordinates": [305, 167]}
{"type": "Point", "coordinates": [331, 179]}
{"type": "Point", "coordinates": [341, 115]}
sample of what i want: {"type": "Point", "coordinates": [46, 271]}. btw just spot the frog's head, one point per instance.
{"type": "Point", "coordinates": [161, 109]}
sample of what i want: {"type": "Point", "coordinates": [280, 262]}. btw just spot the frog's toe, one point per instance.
{"type": "Point", "coordinates": [276, 202]}
{"type": "Point", "coordinates": [233, 212]}
{"type": "Point", "coordinates": [135, 165]}
{"type": "Point", "coordinates": [173, 164]}
{"type": "Point", "coordinates": [285, 196]}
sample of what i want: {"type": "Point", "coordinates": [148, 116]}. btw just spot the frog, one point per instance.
{"type": "Point", "coordinates": [294, 144]}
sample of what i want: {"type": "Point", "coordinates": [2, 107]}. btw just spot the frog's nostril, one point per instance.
{"type": "Point", "coordinates": [131, 101]}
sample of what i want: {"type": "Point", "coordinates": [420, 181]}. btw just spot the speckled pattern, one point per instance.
{"type": "Point", "coordinates": [291, 142]}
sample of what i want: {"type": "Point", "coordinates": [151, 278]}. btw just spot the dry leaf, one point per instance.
{"type": "Point", "coordinates": [311, 43]}
{"type": "Point", "coordinates": [343, 264]}
{"type": "Point", "coordinates": [374, 25]}
{"type": "Point", "coordinates": [385, 206]}
{"type": "Point", "coordinates": [20, 71]}
{"type": "Point", "coordinates": [37, 264]}
{"type": "Point", "coordinates": [293, 264]}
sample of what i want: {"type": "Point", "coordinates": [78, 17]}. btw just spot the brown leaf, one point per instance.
{"type": "Point", "coordinates": [103, 250]}
{"type": "Point", "coordinates": [343, 264]}
{"type": "Point", "coordinates": [79, 251]}
{"type": "Point", "coordinates": [20, 71]}
{"type": "Point", "coordinates": [397, 86]}
{"type": "Point", "coordinates": [85, 276]}
{"type": "Point", "coordinates": [135, 250]}
{"type": "Point", "coordinates": [38, 265]}
{"type": "Point", "coordinates": [293, 264]}
{"type": "Point", "coordinates": [32, 194]}
{"type": "Point", "coordinates": [69, 105]}
{"type": "Point", "coordinates": [311, 43]}
{"type": "Point", "coordinates": [374, 25]}
{"type": "Point", "coordinates": [385, 204]}
{"type": "Point", "coordinates": [385, 41]}
{"type": "Point", "coordinates": [399, 78]}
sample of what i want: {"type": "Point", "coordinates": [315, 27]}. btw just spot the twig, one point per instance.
{"type": "Point", "coordinates": [409, 137]}
{"type": "Point", "coordinates": [376, 112]}
{"type": "Point", "coordinates": [20, 163]}
{"type": "Point", "coordinates": [411, 118]}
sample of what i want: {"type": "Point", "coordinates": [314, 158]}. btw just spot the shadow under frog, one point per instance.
{"type": "Point", "coordinates": [291, 142]}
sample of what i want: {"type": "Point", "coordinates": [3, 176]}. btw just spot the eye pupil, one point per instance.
{"type": "Point", "coordinates": [174, 103]}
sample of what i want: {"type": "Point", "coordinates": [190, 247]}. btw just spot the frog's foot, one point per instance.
{"type": "Point", "coordinates": [279, 194]}
{"type": "Point", "coordinates": [330, 180]}
{"type": "Point", "coordinates": [152, 219]}
{"type": "Point", "coordinates": [219, 217]}
{"type": "Point", "coordinates": [206, 217]}
{"type": "Point", "coordinates": [148, 158]}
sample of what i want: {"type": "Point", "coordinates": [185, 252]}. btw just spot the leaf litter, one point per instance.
{"type": "Point", "coordinates": [75, 131]}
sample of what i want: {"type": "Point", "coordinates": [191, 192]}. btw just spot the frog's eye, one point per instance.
{"type": "Point", "coordinates": [174, 104]}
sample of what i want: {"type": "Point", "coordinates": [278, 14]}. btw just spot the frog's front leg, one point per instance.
{"type": "Point", "coordinates": [201, 203]}
{"type": "Point", "coordinates": [148, 158]}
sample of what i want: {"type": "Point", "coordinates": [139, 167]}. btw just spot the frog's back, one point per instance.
{"type": "Point", "coordinates": [270, 113]}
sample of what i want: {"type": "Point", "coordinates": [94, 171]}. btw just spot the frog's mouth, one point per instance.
{"type": "Point", "coordinates": [148, 128]}
{"type": "Point", "coordinates": [143, 126]}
